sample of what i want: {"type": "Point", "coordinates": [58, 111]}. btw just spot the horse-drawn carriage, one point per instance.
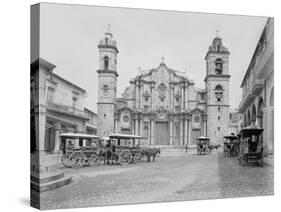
{"type": "Point", "coordinates": [231, 145]}
{"type": "Point", "coordinates": [123, 149]}
{"type": "Point", "coordinates": [202, 145]}
{"type": "Point", "coordinates": [77, 156]}
{"type": "Point", "coordinates": [251, 146]}
{"type": "Point", "coordinates": [120, 149]}
{"type": "Point", "coordinates": [127, 149]}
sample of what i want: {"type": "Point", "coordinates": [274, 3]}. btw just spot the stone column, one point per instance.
{"type": "Point", "coordinates": [181, 132]}
{"type": "Point", "coordinates": [137, 127]}
{"type": "Point", "coordinates": [133, 127]}
{"type": "Point", "coordinates": [141, 95]}
{"type": "Point", "coordinates": [185, 131]}
{"type": "Point", "coordinates": [205, 128]}
{"type": "Point", "coordinates": [40, 154]}
{"type": "Point", "coordinates": [189, 132]}
{"type": "Point", "coordinates": [141, 127]}
{"type": "Point", "coordinates": [268, 133]}
{"type": "Point", "coordinates": [182, 96]}
{"type": "Point", "coordinates": [152, 132]}
{"type": "Point", "coordinates": [171, 131]}
{"type": "Point", "coordinates": [186, 95]}
{"type": "Point", "coordinates": [172, 97]}
{"type": "Point", "coordinates": [116, 126]}
{"type": "Point", "coordinates": [148, 138]}
{"type": "Point", "coordinates": [57, 137]}
{"type": "Point", "coordinates": [137, 95]}
{"type": "Point", "coordinates": [39, 71]}
{"type": "Point", "coordinates": [151, 95]}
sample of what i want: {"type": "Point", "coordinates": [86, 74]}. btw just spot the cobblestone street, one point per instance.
{"type": "Point", "coordinates": [188, 177]}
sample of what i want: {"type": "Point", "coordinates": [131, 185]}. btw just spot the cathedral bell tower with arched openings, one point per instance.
{"type": "Point", "coordinates": [217, 87]}
{"type": "Point", "coordinates": [107, 84]}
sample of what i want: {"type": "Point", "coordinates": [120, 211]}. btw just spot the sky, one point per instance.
{"type": "Point", "coordinates": [69, 35]}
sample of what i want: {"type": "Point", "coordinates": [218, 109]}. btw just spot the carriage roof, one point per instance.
{"type": "Point", "coordinates": [78, 135]}
{"type": "Point", "coordinates": [231, 137]}
{"type": "Point", "coordinates": [249, 131]}
{"type": "Point", "coordinates": [125, 136]}
{"type": "Point", "coordinates": [202, 138]}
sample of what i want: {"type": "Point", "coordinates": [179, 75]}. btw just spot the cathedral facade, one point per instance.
{"type": "Point", "coordinates": [161, 104]}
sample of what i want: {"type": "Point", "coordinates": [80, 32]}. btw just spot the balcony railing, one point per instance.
{"type": "Point", "coordinates": [65, 109]}
{"type": "Point", "coordinates": [251, 94]}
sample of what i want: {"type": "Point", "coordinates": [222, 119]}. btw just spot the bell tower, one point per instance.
{"type": "Point", "coordinates": [217, 87]}
{"type": "Point", "coordinates": [107, 83]}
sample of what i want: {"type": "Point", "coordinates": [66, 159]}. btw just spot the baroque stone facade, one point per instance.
{"type": "Point", "coordinates": [257, 104]}
{"type": "Point", "coordinates": [161, 104]}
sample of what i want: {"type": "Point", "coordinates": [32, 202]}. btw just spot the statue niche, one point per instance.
{"type": "Point", "coordinates": [162, 92]}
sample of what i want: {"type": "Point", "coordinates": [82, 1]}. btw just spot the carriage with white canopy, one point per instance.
{"type": "Point", "coordinates": [79, 149]}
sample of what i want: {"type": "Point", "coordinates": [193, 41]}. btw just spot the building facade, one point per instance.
{"type": "Point", "coordinates": [235, 122]}
{"type": "Point", "coordinates": [64, 108]}
{"type": "Point", "coordinates": [257, 104]}
{"type": "Point", "coordinates": [91, 124]}
{"type": "Point", "coordinates": [162, 104]}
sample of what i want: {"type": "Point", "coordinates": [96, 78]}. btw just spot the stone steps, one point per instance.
{"type": "Point", "coordinates": [173, 151]}
{"type": "Point", "coordinates": [49, 181]}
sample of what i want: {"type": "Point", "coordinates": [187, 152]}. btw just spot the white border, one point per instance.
{"type": "Point", "coordinates": [14, 151]}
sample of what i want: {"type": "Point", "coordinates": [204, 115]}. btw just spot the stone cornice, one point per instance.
{"type": "Point", "coordinates": [103, 71]}
{"type": "Point", "coordinates": [108, 46]}
{"type": "Point", "coordinates": [217, 105]}
{"type": "Point", "coordinates": [48, 109]}
{"type": "Point", "coordinates": [227, 76]}
{"type": "Point", "coordinates": [217, 52]}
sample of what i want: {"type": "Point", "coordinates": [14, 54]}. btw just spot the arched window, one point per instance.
{"type": "Point", "coordinates": [106, 62]}
{"type": "Point", "coordinates": [219, 93]}
{"type": "Point", "coordinates": [218, 66]}
{"type": "Point", "coordinates": [218, 47]}
{"type": "Point", "coordinates": [106, 41]}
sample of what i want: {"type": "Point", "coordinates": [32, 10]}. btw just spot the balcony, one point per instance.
{"type": "Point", "coordinates": [67, 110]}
{"type": "Point", "coordinates": [250, 95]}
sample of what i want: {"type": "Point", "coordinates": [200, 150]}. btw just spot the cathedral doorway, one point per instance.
{"type": "Point", "coordinates": [161, 133]}
{"type": "Point", "coordinates": [195, 134]}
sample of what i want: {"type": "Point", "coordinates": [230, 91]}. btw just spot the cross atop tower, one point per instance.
{"type": "Point", "coordinates": [108, 28]}
{"type": "Point", "coordinates": [217, 31]}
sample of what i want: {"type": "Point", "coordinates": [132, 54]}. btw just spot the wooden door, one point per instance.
{"type": "Point", "coordinates": [162, 133]}
{"type": "Point", "coordinates": [195, 134]}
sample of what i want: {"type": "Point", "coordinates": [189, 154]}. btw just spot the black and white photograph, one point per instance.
{"type": "Point", "coordinates": [136, 106]}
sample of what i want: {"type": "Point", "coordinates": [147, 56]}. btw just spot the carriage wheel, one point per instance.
{"type": "Point", "coordinates": [65, 161]}
{"type": "Point", "coordinates": [138, 157]}
{"type": "Point", "coordinates": [125, 157]}
{"type": "Point", "coordinates": [94, 160]}
{"type": "Point", "coordinates": [77, 159]}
